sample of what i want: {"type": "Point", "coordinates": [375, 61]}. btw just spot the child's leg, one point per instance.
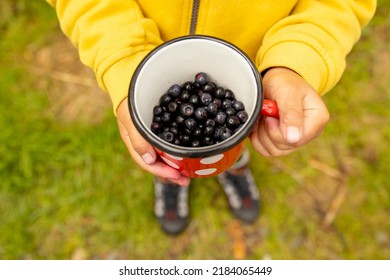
{"type": "Point", "coordinates": [171, 205]}
{"type": "Point", "coordinates": [241, 190]}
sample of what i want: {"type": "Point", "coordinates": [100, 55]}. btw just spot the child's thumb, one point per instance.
{"type": "Point", "coordinates": [291, 120]}
{"type": "Point", "coordinates": [130, 136]}
{"type": "Point", "coordinates": [143, 148]}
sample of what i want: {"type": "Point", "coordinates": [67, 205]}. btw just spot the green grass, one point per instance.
{"type": "Point", "coordinates": [70, 189]}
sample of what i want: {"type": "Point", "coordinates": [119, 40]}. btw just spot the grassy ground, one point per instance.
{"type": "Point", "coordinates": [68, 189]}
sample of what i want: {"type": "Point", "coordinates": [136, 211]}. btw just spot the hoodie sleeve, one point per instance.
{"type": "Point", "coordinates": [315, 39]}
{"type": "Point", "coordinates": [112, 37]}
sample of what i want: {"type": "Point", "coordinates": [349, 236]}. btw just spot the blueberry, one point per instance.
{"type": "Point", "coordinates": [230, 111]}
{"type": "Point", "coordinates": [208, 130]}
{"type": "Point", "coordinates": [186, 109]}
{"type": "Point", "coordinates": [167, 136]}
{"type": "Point", "coordinates": [227, 103]}
{"type": "Point", "coordinates": [212, 108]}
{"type": "Point", "coordinates": [177, 142]}
{"type": "Point", "coordinates": [157, 119]}
{"type": "Point", "coordinates": [172, 106]}
{"type": "Point", "coordinates": [174, 130]}
{"type": "Point", "coordinates": [217, 102]}
{"type": "Point", "coordinates": [233, 121]}
{"type": "Point", "coordinates": [194, 99]}
{"type": "Point", "coordinates": [220, 118]}
{"type": "Point", "coordinates": [209, 87]}
{"type": "Point", "coordinates": [201, 113]}
{"type": "Point", "coordinates": [157, 110]}
{"type": "Point", "coordinates": [207, 141]}
{"type": "Point", "coordinates": [174, 90]}
{"type": "Point", "coordinates": [243, 116]}
{"type": "Point", "coordinates": [201, 78]}
{"type": "Point", "coordinates": [197, 132]}
{"type": "Point", "coordinates": [195, 143]}
{"type": "Point", "coordinates": [205, 98]}
{"type": "Point", "coordinates": [180, 120]}
{"type": "Point", "coordinates": [229, 94]}
{"type": "Point", "coordinates": [165, 99]}
{"type": "Point", "coordinates": [218, 132]}
{"type": "Point", "coordinates": [187, 131]}
{"type": "Point", "coordinates": [155, 127]}
{"type": "Point", "coordinates": [184, 139]}
{"type": "Point", "coordinates": [196, 86]}
{"type": "Point", "coordinates": [225, 133]}
{"type": "Point", "coordinates": [238, 106]}
{"type": "Point", "coordinates": [210, 122]}
{"type": "Point", "coordinates": [220, 92]}
{"type": "Point", "coordinates": [189, 86]}
{"type": "Point", "coordinates": [166, 117]}
{"type": "Point", "coordinates": [185, 95]}
{"type": "Point", "coordinates": [191, 124]}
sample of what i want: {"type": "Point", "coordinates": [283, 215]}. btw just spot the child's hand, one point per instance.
{"type": "Point", "coordinates": [303, 114]}
{"type": "Point", "coordinates": [142, 152]}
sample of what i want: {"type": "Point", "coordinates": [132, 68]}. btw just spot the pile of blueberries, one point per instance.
{"type": "Point", "coordinates": [197, 113]}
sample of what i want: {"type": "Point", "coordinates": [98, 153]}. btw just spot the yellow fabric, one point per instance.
{"type": "Point", "coordinates": [310, 37]}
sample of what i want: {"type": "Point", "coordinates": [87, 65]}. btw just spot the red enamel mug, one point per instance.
{"type": "Point", "coordinates": [176, 62]}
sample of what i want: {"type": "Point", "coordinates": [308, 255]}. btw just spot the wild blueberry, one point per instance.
{"type": "Point", "coordinates": [157, 119]}
{"type": "Point", "coordinates": [157, 110]}
{"type": "Point", "coordinates": [207, 141]}
{"type": "Point", "coordinates": [225, 133]}
{"type": "Point", "coordinates": [233, 121]}
{"type": "Point", "coordinates": [243, 116]}
{"type": "Point", "coordinates": [220, 92]}
{"type": "Point", "coordinates": [180, 120]}
{"type": "Point", "coordinates": [230, 111]}
{"type": "Point", "coordinates": [174, 130]}
{"type": "Point", "coordinates": [194, 99]}
{"type": "Point", "coordinates": [165, 99]}
{"type": "Point", "coordinates": [229, 94]}
{"type": "Point", "coordinates": [155, 127]}
{"type": "Point", "coordinates": [184, 138]}
{"type": "Point", "coordinates": [209, 87]}
{"type": "Point", "coordinates": [174, 90]}
{"type": "Point", "coordinates": [185, 95]}
{"type": "Point", "coordinates": [217, 102]}
{"type": "Point", "coordinates": [166, 117]}
{"type": "Point", "coordinates": [205, 98]}
{"type": "Point", "coordinates": [197, 132]}
{"type": "Point", "coordinates": [226, 103]}
{"type": "Point", "coordinates": [212, 108]}
{"type": "Point", "coordinates": [201, 78]}
{"type": "Point", "coordinates": [172, 106]}
{"type": "Point", "coordinates": [210, 122]}
{"type": "Point", "coordinates": [201, 113]}
{"type": "Point", "coordinates": [208, 130]}
{"type": "Point", "coordinates": [220, 118]}
{"type": "Point", "coordinates": [167, 136]}
{"type": "Point", "coordinates": [195, 143]}
{"type": "Point", "coordinates": [186, 109]}
{"type": "Point", "coordinates": [238, 106]}
{"type": "Point", "coordinates": [188, 86]}
{"type": "Point", "coordinates": [191, 124]}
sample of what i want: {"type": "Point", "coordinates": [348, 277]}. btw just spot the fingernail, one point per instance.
{"type": "Point", "coordinates": [293, 134]}
{"type": "Point", "coordinates": [148, 158]}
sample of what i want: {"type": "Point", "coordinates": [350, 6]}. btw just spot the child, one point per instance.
{"type": "Point", "coordinates": [299, 46]}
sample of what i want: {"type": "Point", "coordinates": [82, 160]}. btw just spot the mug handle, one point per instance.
{"type": "Point", "coordinates": [270, 109]}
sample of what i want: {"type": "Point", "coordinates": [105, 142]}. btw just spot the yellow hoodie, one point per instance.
{"type": "Point", "coordinates": [310, 37]}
